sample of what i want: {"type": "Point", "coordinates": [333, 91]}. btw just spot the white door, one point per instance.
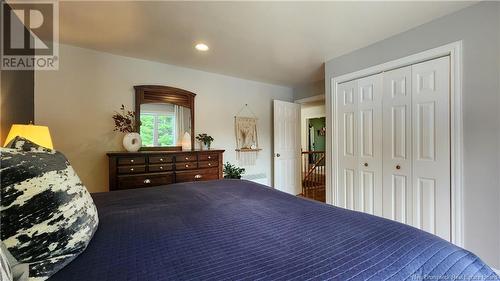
{"type": "Point", "coordinates": [347, 96]}
{"type": "Point", "coordinates": [360, 159]}
{"type": "Point", "coordinates": [287, 147]}
{"type": "Point", "coordinates": [368, 194]}
{"type": "Point", "coordinates": [431, 146]}
{"type": "Point", "coordinates": [394, 145]}
{"type": "Point", "coordinates": [397, 161]}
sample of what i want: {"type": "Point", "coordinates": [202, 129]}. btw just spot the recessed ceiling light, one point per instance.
{"type": "Point", "coordinates": [201, 47]}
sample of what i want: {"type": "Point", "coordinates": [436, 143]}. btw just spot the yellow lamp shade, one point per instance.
{"type": "Point", "coordinates": [37, 134]}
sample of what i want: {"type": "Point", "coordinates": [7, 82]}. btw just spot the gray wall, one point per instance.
{"type": "Point", "coordinates": [478, 27]}
{"type": "Point", "coordinates": [94, 84]}
{"type": "Point", "coordinates": [309, 90]}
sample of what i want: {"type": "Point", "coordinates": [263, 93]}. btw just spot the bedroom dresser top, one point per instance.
{"type": "Point", "coordinates": [147, 152]}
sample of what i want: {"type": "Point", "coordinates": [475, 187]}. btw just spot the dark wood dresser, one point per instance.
{"type": "Point", "coordinates": [152, 168]}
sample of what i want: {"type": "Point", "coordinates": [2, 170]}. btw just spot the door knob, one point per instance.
{"type": "Point", "coordinates": [278, 155]}
{"type": "Point", "coordinates": [366, 164]}
{"type": "Point", "coordinates": [398, 167]}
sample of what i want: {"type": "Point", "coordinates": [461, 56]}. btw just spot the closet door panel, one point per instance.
{"type": "Point", "coordinates": [397, 160]}
{"type": "Point", "coordinates": [399, 208]}
{"type": "Point", "coordinates": [346, 113]}
{"type": "Point", "coordinates": [431, 147]}
{"type": "Point", "coordinates": [369, 192]}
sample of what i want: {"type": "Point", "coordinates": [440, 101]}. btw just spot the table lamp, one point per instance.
{"type": "Point", "coordinates": [37, 134]}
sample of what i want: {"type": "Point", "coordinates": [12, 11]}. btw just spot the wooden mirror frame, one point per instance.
{"type": "Point", "coordinates": [163, 94]}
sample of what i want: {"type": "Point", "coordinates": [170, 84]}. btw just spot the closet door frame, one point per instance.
{"type": "Point", "coordinates": [454, 50]}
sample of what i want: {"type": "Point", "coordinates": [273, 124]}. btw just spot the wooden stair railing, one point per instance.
{"type": "Point", "coordinates": [313, 175]}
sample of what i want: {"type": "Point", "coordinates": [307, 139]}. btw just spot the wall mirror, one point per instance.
{"type": "Point", "coordinates": [166, 114]}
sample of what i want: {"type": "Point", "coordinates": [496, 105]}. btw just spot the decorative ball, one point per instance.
{"type": "Point", "coordinates": [132, 142]}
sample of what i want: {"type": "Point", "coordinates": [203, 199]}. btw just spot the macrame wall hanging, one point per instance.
{"type": "Point", "coordinates": [247, 143]}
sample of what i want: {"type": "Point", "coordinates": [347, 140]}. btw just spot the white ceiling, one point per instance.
{"type": "Point", "coordinates": [284, 43]}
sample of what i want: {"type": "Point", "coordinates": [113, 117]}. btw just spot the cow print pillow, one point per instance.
{"type": "Point", "coordinates": [5, 271]}
{"type": "Point", "coordinates": [47, 217]}
{"type": "Point", "coordinates": [26, 145]}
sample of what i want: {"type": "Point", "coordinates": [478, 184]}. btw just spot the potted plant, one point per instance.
{"type": "Point", "coordinates": [205, 141]}
{"type": "Point", "coordinates": [232, 171]}
{"type": "Point", "coordinates": [125, 123]}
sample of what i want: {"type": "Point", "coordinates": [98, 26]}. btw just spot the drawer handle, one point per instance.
{"type": "Point", "coordinates": [209, 157]}
{"type": "Point", "coordinates": [398, 167]}
{"type": "Point", "coordinates": [198, 176]}
{"type": "Point", "coordinates": [161, 159]}
{"type": "Point", "coordinates": [131, 169]}
{"type": "Point", "coordinates": [187, 158]}
{"type": "Point", "coordinates": [161, 167]}
{"type": "Point", "coordinates": [209, 164]}
{"type": "Point", "coordinates": [146, 181]}
{"type": "Point", "coordinates": [131, 160]}
{"type": "Point", "coordinates": [187, 166]}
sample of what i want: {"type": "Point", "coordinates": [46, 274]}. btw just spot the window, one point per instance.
{"type": "Point", "coordinates": [158, 129]}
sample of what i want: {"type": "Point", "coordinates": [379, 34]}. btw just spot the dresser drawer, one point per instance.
{"type": "Point", "coordinates": [197, 175]}
{"type": "Point", "coordinates": [136, 181]}
{"type": "Point", "coordinates": [208, 164]}
{"type": "Point", "coordinates": [186, 157]}
{"type": "Point", "coordinates": [160, 167]}
{"type": "Point", "coordinates": [186, 166]}
{"type": "Point", "coordinates": [208, 157]}
{"type": "Point", "coordinates": [161, 159]}
{"type": "Point", "coordinates": [131, 169]}
{"type": "Point", "coordinates": [131, 160]}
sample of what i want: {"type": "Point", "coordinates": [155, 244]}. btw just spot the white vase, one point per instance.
{"type": "Point", "coordinates": [132, 142]}
{"type": "Point", "coordinates": [204, 146]}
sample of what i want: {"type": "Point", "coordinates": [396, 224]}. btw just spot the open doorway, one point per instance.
{"type": "Point", "coordinates": [316, 137]}
{"type": "Point", "coordinates": [313, 145]}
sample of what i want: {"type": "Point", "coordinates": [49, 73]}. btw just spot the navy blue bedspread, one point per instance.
{"type": "Point", "coordinates": [238, 230]}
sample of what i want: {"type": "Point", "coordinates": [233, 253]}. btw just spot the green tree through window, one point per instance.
{"type": "Point", "coordinates": [147, 127]}
{"type": "Point", "coordinates": [157, 130]}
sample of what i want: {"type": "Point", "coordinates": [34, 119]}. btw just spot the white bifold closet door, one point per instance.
{"type": "Point", "coordinates": [394, 145]}
{"type": "Point", "coordinates": [397, 120]}
{"type": "Point", "coordinates": [431, 149]}
{"type": "Point", "coordinates": [416, 165]}
{"type": "Point", "coordinates": [360, 178]}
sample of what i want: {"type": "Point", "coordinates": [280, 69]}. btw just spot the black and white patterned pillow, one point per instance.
{"type": "Point", "coordinates": [18, 271]}
{"type": "Point", "coordinates": [5, 271]}
{"type": "Point", "coordinates": [26, 145]}
{"type": "Point", "coordinates": [47, 217]}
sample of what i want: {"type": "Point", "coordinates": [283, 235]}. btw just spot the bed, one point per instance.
{"type": "Point", "coordinates": [239, 230]}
